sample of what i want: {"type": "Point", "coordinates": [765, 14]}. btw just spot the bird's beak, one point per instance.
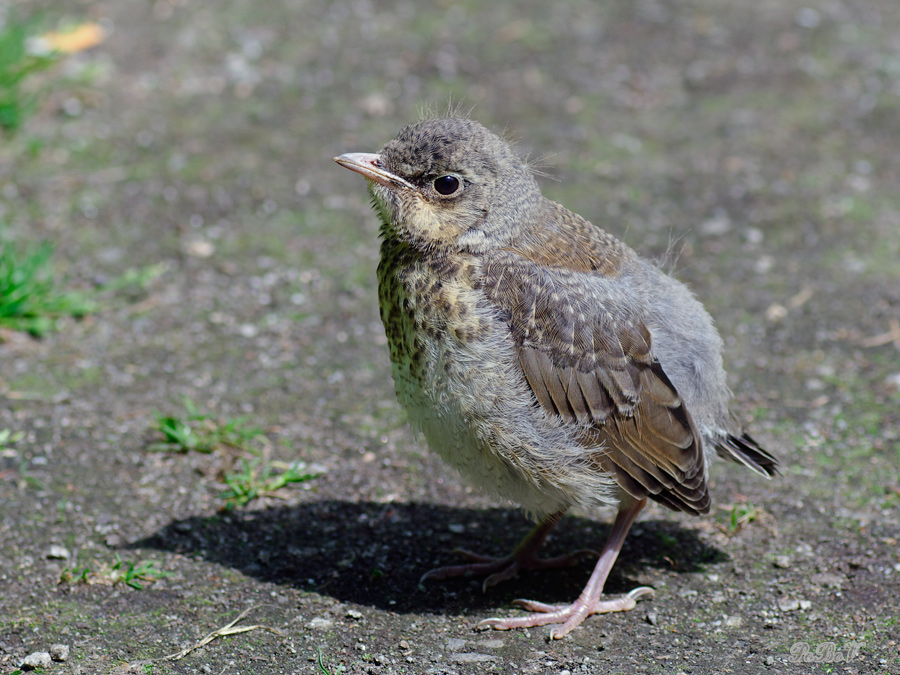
{"type": "Point", "coordinates": [369, 166]}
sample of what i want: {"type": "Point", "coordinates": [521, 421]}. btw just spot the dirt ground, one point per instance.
{"type": "Point", "coordinates": [757, 143]}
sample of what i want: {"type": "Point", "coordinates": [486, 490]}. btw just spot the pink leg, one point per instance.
{"type": "Point", "coordinates": [524, 557]}
{"type": "Point", "coordinates": [589, 601]}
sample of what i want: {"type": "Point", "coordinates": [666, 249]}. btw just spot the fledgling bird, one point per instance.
{"type": "Point", "coordinates": [538, 354]}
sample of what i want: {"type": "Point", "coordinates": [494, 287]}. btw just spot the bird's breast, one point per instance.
{"type": "Point", "coordinates": [429, 305]}
{"type": "Point", "coordinates": [457, 374]}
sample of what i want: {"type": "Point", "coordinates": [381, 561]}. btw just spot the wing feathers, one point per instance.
{"type": "Point", "coordinates": [575, 396]}
{"type": "Point", "coordinates": [553, 381]}
{"type": "Point", "coordinates": [645, 436]}
{"type": "Point", "coordinates": [529, 358]}
{"type": "Point", "coordinates": [597, 399]}
{"type": "Point", "coordinates": [587, 356]}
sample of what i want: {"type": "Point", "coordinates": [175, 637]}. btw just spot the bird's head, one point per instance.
{"type": "Point", "coordinates": [449, 184]}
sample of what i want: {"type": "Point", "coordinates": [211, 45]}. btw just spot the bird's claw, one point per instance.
{"type": "Point", "coordinates": [641, 592]}
{"type": "Point", "coordinates": [569, 616]}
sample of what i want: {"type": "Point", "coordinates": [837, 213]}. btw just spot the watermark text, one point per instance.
{"type": "Point", "coordinates": [824, 652]}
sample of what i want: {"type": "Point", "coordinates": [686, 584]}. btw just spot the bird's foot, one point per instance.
{"type": "Point", "coordinates": [501, 569]}
{"type": "Point", "coordinates": [567, 615]}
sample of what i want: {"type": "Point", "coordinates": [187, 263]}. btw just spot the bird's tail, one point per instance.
{"type": "Point", "coordinates": [744, 450]}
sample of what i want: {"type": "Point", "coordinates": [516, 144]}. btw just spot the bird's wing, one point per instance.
{"type": "Point", "coordinates": [589, 361]}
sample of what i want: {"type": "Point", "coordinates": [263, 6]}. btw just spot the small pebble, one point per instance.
{"type": "Point", "coordinates": [58, 552]}
{"type": "Point", "coordinates": [473, 657]}
{"type": "Point", "coordinates": [36, 660]}
{"type": "Point", "coordinates": [651, 618]}
{"type": "Point", "coordinates": [788, 605]}
{"type": "Point", "coordinates": [827, 579]}
{"type": "Point", "coordinates": [320, 623]}
{"type": "Point", "coordinates": [782, 561]}
{"type": "Point", "coordinates": [354, 614]}
{"type": "Point", "coordinates": [893, 381]}
{"type": "Point", "coordinates": [199, 248]}
{"type": "Point", "coordinates": [59, 652]}
{"type": "Point", "coordinates": [719, 224]}
{"type": "Point", "coordinates": [770, 660]}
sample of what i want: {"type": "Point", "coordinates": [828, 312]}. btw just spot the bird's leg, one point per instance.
{"type": "Point", "coordinates": [589, 601]}
{"type": "Point", "coordinates": [524, 557]}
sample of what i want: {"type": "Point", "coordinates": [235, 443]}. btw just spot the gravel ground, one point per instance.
{"type": "Point", "coordinates": [754, 147]}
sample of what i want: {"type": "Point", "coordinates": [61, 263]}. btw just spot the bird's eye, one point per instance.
{"type": "Point", "coordinates": [446, 185]}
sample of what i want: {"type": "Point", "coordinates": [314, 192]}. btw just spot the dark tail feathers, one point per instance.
{"type": "Point", "coordinates": [746, 451]}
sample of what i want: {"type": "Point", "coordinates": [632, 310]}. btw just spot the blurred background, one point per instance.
{"type": "Point", "coordinates": [188, 320]}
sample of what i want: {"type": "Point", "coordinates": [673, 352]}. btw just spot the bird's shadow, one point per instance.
{"type": "Point", "coordinates": [373, 554]}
